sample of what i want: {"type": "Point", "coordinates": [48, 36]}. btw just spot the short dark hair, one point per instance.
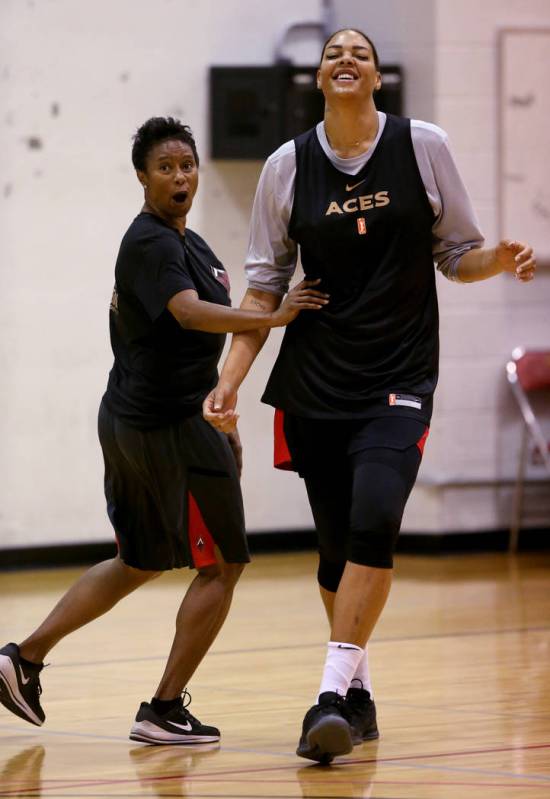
{"type": "Point", "coordinates": [156, 130]}
{"type": "Point", "coordinates": [364, 35]}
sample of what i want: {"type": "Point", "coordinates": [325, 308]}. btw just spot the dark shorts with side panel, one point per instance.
{"type": "Point", "coordinates": [173, 494]}
{"type": "Point", "coordinates": [358, 476]}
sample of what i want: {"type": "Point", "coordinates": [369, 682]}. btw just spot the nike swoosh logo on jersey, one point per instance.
{"type": "Point", "coordinates": [24, 680]}
{"type": "Point", "coordinates": [187, 726]}
{"type": "Point", "coordinates": [350, 188]}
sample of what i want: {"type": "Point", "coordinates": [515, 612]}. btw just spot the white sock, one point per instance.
{"type": "Point", "coordinates": [362, 673]}
{"type": "Point", "coordinates": [340, 665]}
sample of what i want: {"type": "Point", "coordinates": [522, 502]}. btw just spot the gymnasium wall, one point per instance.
{"type": "Point", "coordinates": [475, 436]}
{"type": "Point", "coordinates": [450, 53]}
{"type": "Point", "coordinates": [77, 79]}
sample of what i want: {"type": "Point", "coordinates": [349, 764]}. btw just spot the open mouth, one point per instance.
{"type": "Point", "coordinates": [345, 77]}
{"type": "Point", "coordinates": [180, 196]}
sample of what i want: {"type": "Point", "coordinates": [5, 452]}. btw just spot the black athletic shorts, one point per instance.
{"type": "Point", "coordinates": [172, 493]}
{"type": "Point", "coordinates": [358, 476]}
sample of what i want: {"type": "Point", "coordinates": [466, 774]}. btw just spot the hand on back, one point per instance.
{"type": "Point", "coordinates": [302, 297]}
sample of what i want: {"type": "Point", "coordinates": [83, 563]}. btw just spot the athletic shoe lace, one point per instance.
{"type": "Point", "coordinates": [339, 703]}
{"type": "Point", "coordinates": [185, 702]}
{"type": "Point", "coordinates": [38, 686]}
{"type": "Point", "coordinates": [328, 707]}
{"type": "Point", "coordinates": [34, 678]}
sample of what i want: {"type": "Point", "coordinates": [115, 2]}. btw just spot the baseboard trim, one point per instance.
{"type": "Point", "coordinates": [448, 543]}
{"type": "Point", "coordinates": [59, 555]}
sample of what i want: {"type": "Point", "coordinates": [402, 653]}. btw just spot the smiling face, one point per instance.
{"type": "Point", "coordinates": [348, 68]}
{"type": "Point", "coordinates": [170, 180]}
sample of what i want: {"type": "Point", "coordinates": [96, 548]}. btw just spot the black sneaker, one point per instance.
{"type": "Point", "coordinates": [20, 686]}
{"type": "Point", "coordinates": [177, 726]}
{"type": "Point", "coordinates": [326, 732]}
{"type": "Point", "coordinates": [361, 712]}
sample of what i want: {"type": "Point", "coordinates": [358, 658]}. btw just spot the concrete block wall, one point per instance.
{"type": "Point", "coordinates": [77, 79]}
{"type": "Point", "coordinates": [449, 51]}
{"type": "Point", "coordinates": [476, 421]}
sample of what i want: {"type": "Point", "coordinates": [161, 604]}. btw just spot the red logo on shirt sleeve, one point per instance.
{"type": "Point", "coordinates": [222, 277]}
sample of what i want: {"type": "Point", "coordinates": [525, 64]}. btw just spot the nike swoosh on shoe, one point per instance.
{"type": "Point", "coordinates": [187, 726]}
{"type": "Point", "coordinates": [24, 680]}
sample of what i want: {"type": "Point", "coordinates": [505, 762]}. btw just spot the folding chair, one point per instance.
{"type": "Point", "coordinates": [527, 371]}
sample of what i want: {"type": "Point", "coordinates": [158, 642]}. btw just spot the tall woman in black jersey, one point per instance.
{"type": "Point", "coordinates": [171, 480]}
{"type": "Point", "coordinates": [371, 201]}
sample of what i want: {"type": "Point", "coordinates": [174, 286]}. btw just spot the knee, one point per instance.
{"type": "Point", "coordinates": [231, 573]}
{"type": "Point", "coordinates": [381, 490]}
{"type": "Point", "coordinates": [329, 572]}
{"type": "Point", "coordinates": [374, 545]}
{"type": "Point", "coordinates": [225, 573]}
{"type": "Point", "coordinates": [211, 572]}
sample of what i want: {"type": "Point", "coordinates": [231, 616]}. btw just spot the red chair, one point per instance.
{"type": "Point", "coordinates": [527, 371]}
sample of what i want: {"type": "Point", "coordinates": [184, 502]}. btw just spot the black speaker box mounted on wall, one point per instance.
{"type": "Point", "coordinates": [253, 110]}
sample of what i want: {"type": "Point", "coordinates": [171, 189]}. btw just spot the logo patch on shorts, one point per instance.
{"type": "Point", "coordinates": [199, 543]}
{"type": "Point", "coordinates": [409, 400]}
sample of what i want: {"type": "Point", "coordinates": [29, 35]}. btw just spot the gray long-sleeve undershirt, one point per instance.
{"type": "Point", "coordinates": [272, 254]}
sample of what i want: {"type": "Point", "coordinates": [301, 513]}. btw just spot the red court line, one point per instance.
{"type": "Point", "coordinates": [214, 776]}
{"type": "Point", "coordinates": [487, 751]}
{"type": "Point", "coordinates": [195, 796]}
{"type": "Point", "coordinates": [375, 782]}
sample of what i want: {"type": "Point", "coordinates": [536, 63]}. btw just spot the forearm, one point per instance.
{"type": "Point", "coordinates": [242, 354]}
{"type": "Point", "coordinates": [211, 318]}
{"type": "Point", "coordinates": [478, 264]}
{"type": "Point", "coordinates": [245, 346]}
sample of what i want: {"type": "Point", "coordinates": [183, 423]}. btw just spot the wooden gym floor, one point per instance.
{"type": "Point", "coordinates": [460, 663]}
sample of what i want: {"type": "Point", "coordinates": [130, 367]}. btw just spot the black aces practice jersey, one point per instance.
{"type": "Point", "coordinates": [161, 371]}
{"type": "Point", "coordinates": [373, 349]}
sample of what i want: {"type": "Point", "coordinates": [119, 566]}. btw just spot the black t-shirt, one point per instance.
{"type": "Point", "coordinates": [373, 349]}
{"type": "Point", "coordinates": [161, 372]}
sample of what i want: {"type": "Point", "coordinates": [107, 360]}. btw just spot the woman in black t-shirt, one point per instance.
{"type": "Point", "coordinates": [171, 480]}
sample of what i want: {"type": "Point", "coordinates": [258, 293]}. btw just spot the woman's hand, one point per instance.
{"type": "Point", "coordinates": [218, 409]}
{"type": "Point", "coordinates": [302, 297]}
{"type": "Point", "coordinates": [517, 258]}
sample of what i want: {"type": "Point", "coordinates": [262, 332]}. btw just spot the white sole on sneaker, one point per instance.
{"type": "Point", "coordinates": [148, 733]}
{"type": "Point", "coordinates": [15, 701]}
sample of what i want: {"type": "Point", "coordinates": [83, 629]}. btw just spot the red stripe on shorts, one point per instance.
{"type": "Point", "coordinates": [422, 440]}
{"type": "Point", "coordinates": [282, 459]}
{"type": "Point", "coordinates": [200, 538]}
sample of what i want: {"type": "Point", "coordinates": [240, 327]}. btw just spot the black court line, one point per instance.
{"type": "Point", "coordinates": [294, 647]}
